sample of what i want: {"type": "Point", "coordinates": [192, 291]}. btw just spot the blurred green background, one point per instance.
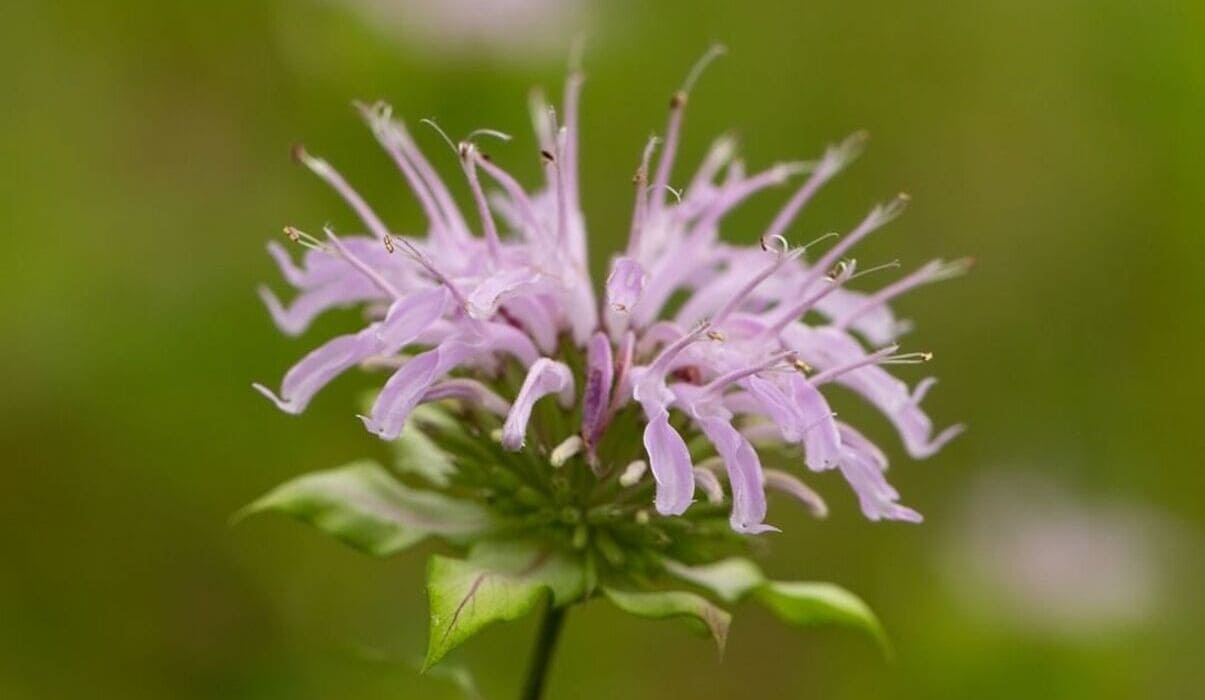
{"type": "Point", "coordinates": [145, 162]}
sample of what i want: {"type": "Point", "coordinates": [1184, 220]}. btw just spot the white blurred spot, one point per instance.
{"type": "Point", "coordinates": [1029, 552]}
{"type": "Point", "coordinates": [521, 29]}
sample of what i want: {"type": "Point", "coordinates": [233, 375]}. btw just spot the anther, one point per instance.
{"type": "Point", "coordinates": [389, 244]}
{"type": "Point", "coordinates": [716, 336]}
{"type": "Point", "coordinates": [837, 270]}
{"type": "Point", "coordinates": [547, 156]}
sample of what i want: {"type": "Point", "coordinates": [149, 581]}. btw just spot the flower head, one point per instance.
{"type": "Point", "coordinates": [698, 345]}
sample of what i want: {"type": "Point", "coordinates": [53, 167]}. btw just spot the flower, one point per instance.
{"type": "Point", "coordinates": [697, 344]}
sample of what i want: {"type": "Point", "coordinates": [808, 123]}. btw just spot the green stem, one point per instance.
{"type": "Point", "coordinates": [541, 655]}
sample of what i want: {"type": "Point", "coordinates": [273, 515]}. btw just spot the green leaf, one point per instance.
{"type": "Point", "coordinates": [729, 579]}
{"type": "Point", "coordinates": [364, 506]}
{"type": "Point", "coordinates": [804, 603]}
{"type": "Point", "coordinates": [664, 604]}
{"type": "Point", "coordinates": [498, 582]}
{"type": "Point", "coordinates": [416, 453]}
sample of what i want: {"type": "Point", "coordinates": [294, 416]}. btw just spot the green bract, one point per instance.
{"type": "Point", "coordinates": [520, 532]}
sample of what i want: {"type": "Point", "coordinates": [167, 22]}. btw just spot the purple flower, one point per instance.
{"type": "Point", "coordinates": [731, 368]}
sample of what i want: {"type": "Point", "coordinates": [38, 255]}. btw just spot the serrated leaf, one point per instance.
{"type": "Point", "coordinates": [498, 582]}
{"type": "Point", "coordinates": [665, 604]}
{"type": "Point", "coordinates": [729, 579]}
{"type": "Point", "coordinates": [362, 505]}
{"type": "Point", "coordinates": [805, 603]}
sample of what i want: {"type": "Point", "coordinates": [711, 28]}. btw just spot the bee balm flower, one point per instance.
{"type": "Point", "coordinates": [695, 357]}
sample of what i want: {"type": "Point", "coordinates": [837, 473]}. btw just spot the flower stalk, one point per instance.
{"type": "Point", "coordinates": [547, 638]}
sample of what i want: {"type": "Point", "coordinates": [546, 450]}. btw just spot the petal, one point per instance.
{"type": "Point", "coordinates": [878, 325]}
{"type": "Point", "coordinates": [669, 460]}
{"type": "Point", "coordinates": [821, 441]}
{"type": "Point", "coordinates": [744, 475]}
{"type": "Point", "coordinates": [307, 306]}
{"type": "Point", "coordinates": [409, 316]}
{"type": "Point", "coordinates": [468, 390]}
{"type": "Point", "coordinates": [878, 499]}
{"type": "Point", "coordinates": [600, 367]}
{"type": "Point", "coordinates": [624, 284]}
{"type": "Point", "coordinates": [505, 338]}
{"type": "Point", "coordinates": [860, 445]}
{"type": "Point", "coordinates": [406, 388]}
{"type": "Point", "coordinates": [320, 366]}
{"type": "Point", "coordinates": [829, 347]}
{"type": "Point", "coordinates": [545, 377]}
{"type": "Point", "coordinates": [488, 295]}
{"type": "Point", "coordinates": [802, 414]}
{"type": "Point", "coordinates": [294, 274]}
{"type": "Point", "coordinates": [536, 319]}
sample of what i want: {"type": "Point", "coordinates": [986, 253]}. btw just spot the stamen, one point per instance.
{"type": "Point", "coordinates": [878, 357]}
{"type": "Point", "coordinates": [782, 257]}
{"type": "Point", "coordinates": [305, 240]}
{"type": "Point", "coordinates": [877, 268]}
{"type": "Point", "coordinates": [503, 136]}
{"type": "Point", "coordinates": [819, 239]}
{"type": "Point", "coordinates": [839, 269]}
{"type": "Point", "coordinates": [781, 247]}
{"type": "Point", "coordinates": [723, 381]}
{"type": "Point", "coordinates": [677, 193]}
{"type": "Point", "coordinates": [877, 218]}
{"type": "Point", "coordinates": [447, 139]}
{"type": "Point", "coordinates": [373, 276]}
{"type": "Point", "coordinates": [934, 271]}
{"type": "Point", "coordinates": [416, 255]}
{"type": "Point", "coordinates": [910, 358]}
{"type": "Point", "coordinates": [673, 129]}
{"type": "Point", "coordinates": [641, 204]}
{"type": "Point", "coordinates": [794, 312]}
{"type": "Point", "coordinates": [661, 363]}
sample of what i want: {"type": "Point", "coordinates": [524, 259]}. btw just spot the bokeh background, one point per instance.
{"type": "Point", "coordinates": [144, 159]}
